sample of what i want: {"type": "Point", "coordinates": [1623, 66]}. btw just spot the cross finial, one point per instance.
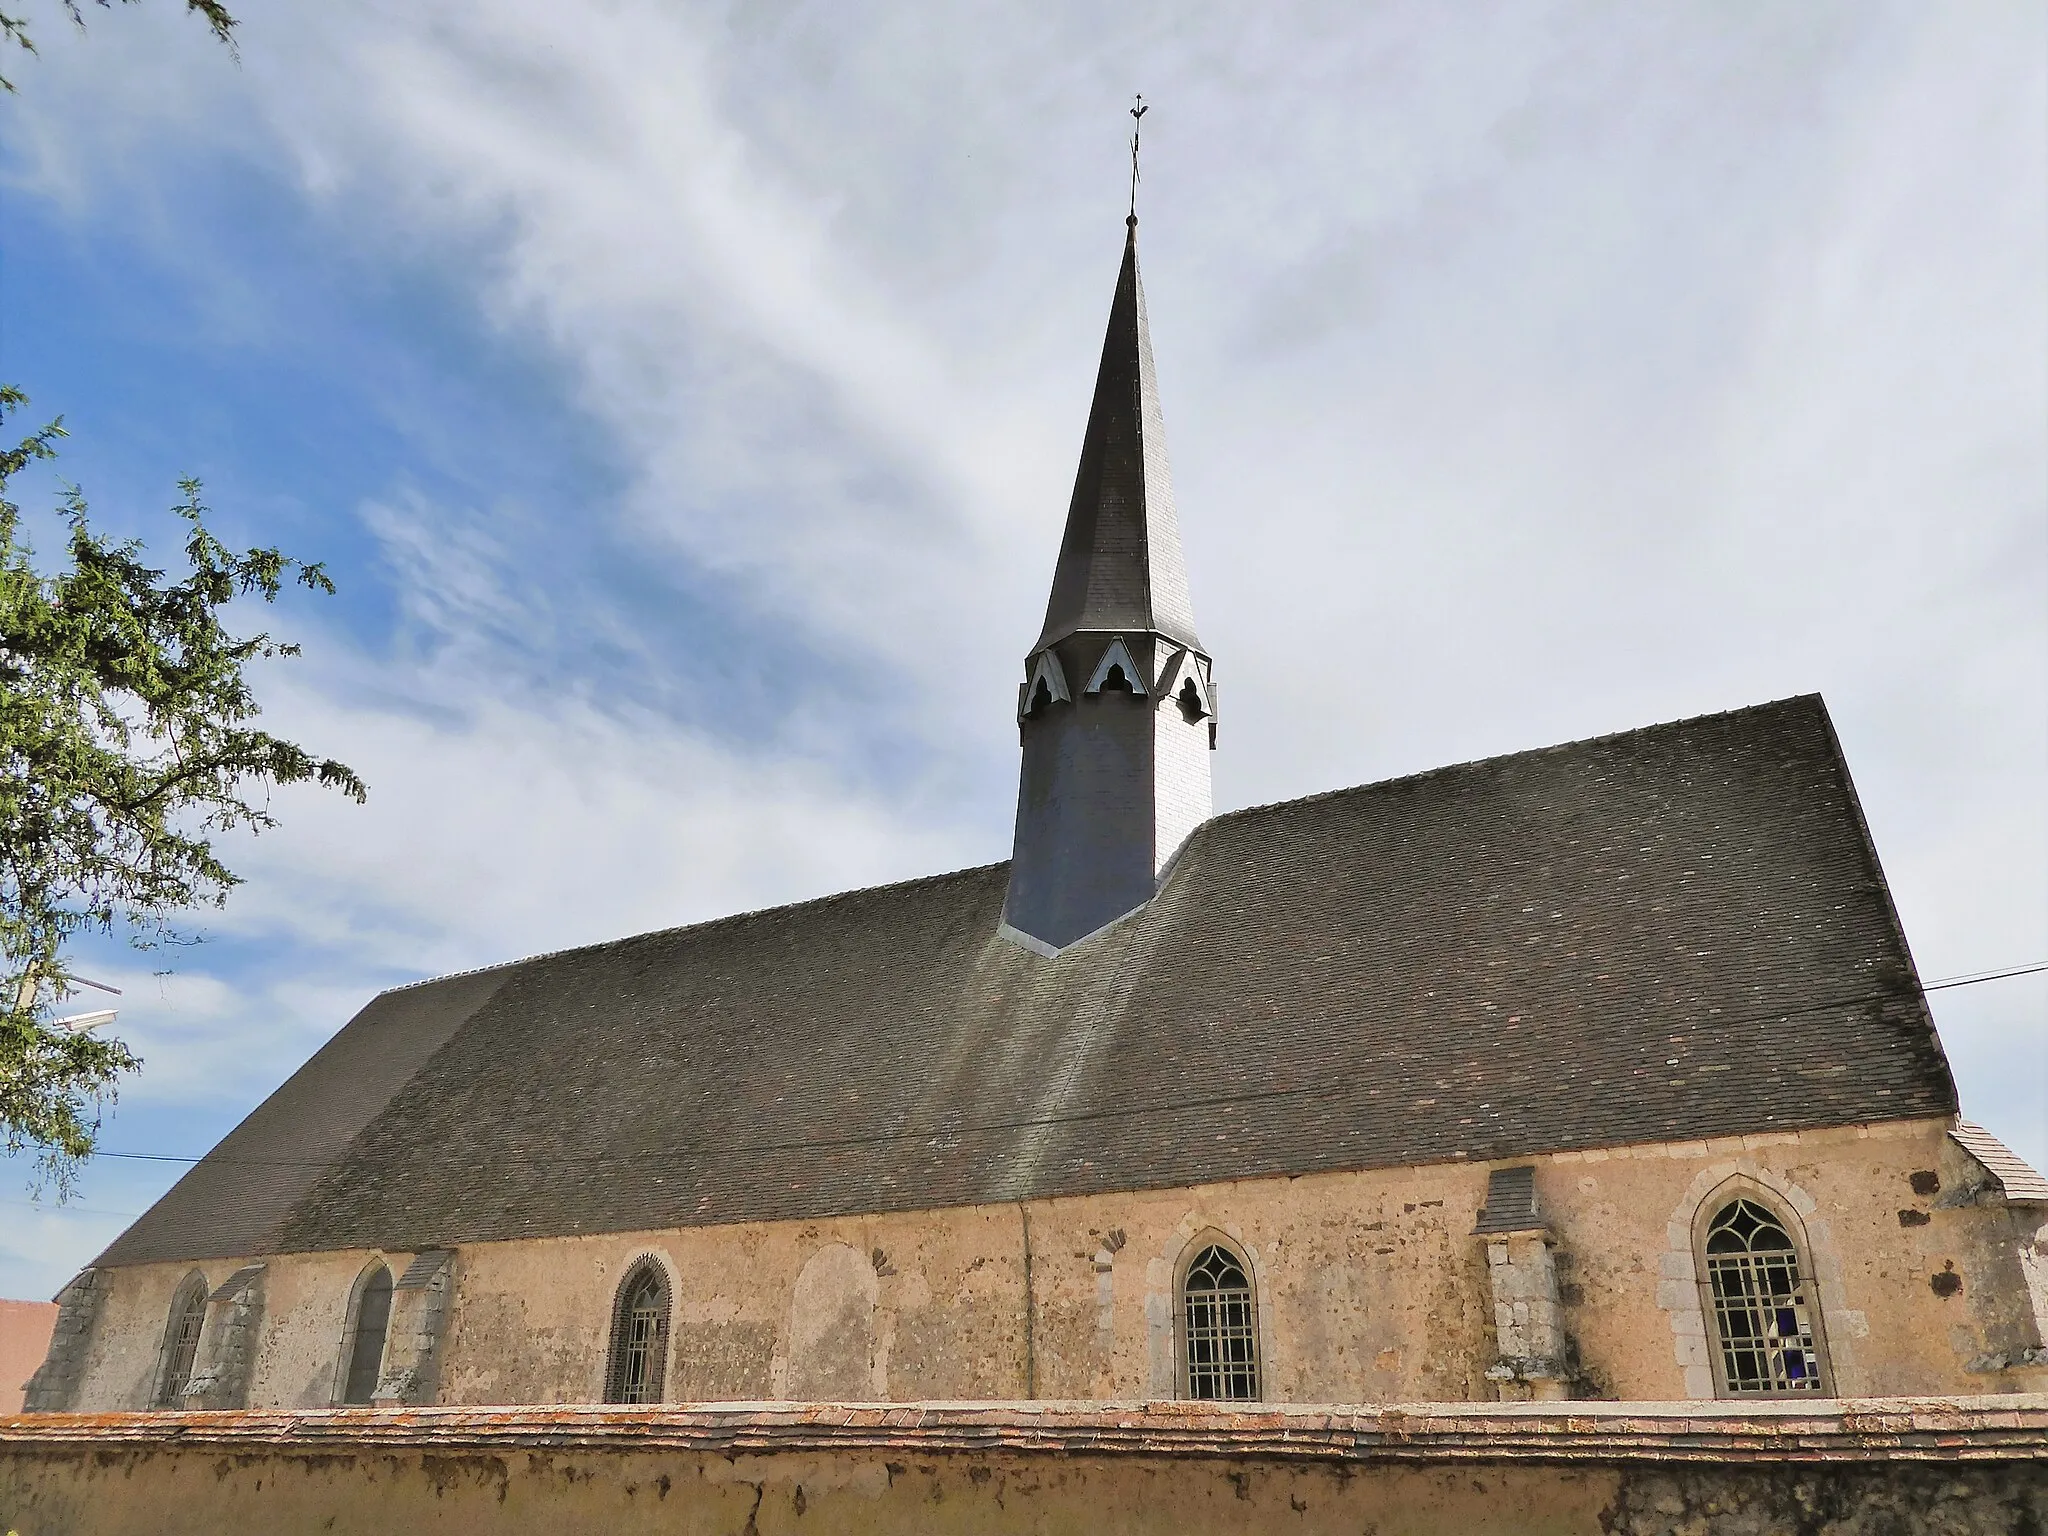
{"type": "Point", "coordinates": [1137, 122]}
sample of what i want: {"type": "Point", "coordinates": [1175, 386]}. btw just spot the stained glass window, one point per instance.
{"type": "Point", "coordinates": [1763, 1309]}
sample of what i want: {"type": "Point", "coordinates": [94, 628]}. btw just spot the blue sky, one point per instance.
{"type": "Point", "coordinates": [686, 398]}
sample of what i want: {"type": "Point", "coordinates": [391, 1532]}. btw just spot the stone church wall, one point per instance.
{"type": "Point", "coordinates": [1370, 1288]}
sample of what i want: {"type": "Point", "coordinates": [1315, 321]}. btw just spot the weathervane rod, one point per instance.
{"type": "Point", "coordinates": [1137, 122]}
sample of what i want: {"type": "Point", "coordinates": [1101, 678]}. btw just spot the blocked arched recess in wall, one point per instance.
{"type": "Point", "coordinates": [1679, 1292]}
{"type": "Point", "coordinates": [830, 1352]}
{"type": "Point", "coordinates": [1162, 1303]}
{"type": "Point", "coordinates": [351, 1323]}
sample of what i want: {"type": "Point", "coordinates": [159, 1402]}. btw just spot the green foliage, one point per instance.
{"type": "Point", "coordinates": [14, 29]}
{"type": "Point", "coordinates": [125, 748]}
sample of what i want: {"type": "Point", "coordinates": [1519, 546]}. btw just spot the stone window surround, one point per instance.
{"type": "Point", "coordinates": [346, 1354]}
{"type": "Point", "coordinates": [632, 1266]}
{"type": "Point", "coordinates": [1681, 1281]}
{"type": "Point", "coordinates": [1164, 1273]}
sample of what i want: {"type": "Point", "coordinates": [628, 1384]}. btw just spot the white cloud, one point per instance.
{"type": "Point", "coordinates": [1537, 375]}
{"type": "Point", "coordinates": [500, 828]}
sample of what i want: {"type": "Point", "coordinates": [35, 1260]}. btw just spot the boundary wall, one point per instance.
{"type": "Point", "coordinates": [1842, 1468]}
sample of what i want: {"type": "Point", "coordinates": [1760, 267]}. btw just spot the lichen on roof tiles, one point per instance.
{"type": "Point", "coordinates": [1436, 968]}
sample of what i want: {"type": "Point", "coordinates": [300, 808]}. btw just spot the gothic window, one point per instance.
{"type": "Point", "coordinates": [1764, 1316]}
{"type": "Point", "coordinates": [365, 1354]}
{"type": "Point", "coordinates": [181, 1341]}
{"type": "Point", "coordinates": [1219, 1328]}
{"type": "Point", "coordinates": [639, 1351]}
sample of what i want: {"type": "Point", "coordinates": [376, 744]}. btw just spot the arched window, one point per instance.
{"type": "Point", "coordinates": [365, 1355]}
{"type": "Point", "coordinates": [1765, 1320]}
{"type": "Point", "coordinates": [1219, 1328]}
{"type": "Point", "coordinates": [181, 1341]}
{"type": "Point", "coordinates": [639, 1352]}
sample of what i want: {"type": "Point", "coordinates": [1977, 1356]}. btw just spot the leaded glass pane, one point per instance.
{"type": "Point", "coordinates": [1762, 1313]}
{"type": "Point", "coordinates": [639, 1340]}
{"type": "Point", "coordinates": [1221, 1329]}
{"type": "Point", "coordinates": [181, 1343]}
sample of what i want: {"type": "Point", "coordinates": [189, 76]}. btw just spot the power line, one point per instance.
{"type": "Point", "coordinates": [944, 1133]}
{"type": "Point", "coordinates": [1976, 976]}
{"type": "Point", "coordinates": [69, 1210]}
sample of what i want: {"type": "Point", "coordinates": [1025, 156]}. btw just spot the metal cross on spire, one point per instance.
{"type": "Point", "coordinates": [1137, 122]}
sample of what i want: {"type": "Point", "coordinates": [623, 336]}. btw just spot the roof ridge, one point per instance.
{"type": "Point", "coordinates": [1446, 769]}
{"type": "Point", "coordinates": [712, 923]}
{"type": "Point", "coordinates": [701, 926]}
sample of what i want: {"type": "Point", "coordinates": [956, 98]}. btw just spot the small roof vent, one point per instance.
{"type": "Point", "coordinates": [420, 1273]}
{"type": "Point", "coordinates": [236, 1283]}
{"type": "Point", "coordinates": [1510, 1201]}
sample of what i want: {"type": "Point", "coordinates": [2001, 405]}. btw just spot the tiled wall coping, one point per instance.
{"type": "Point", "coordinates": [2006, 1428]}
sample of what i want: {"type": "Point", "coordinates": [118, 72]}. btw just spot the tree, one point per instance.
{"type": "Point", "coordinates": [125, 748]}
{"type": "Point", "coordinates": [14, 29]}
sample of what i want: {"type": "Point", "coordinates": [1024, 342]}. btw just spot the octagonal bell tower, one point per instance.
{"type": "Point", "coordinates": [1117, 709]}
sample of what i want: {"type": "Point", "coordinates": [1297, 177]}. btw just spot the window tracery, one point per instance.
{"type": "Point", "coordinates": [1219, 1328]}
{"type": "Point", "coordinates": [639, 1347]}
{"type": "Point", "coordinates": [181, 1341]}
{"type": "Point", "coordinates": [1765, 1321]}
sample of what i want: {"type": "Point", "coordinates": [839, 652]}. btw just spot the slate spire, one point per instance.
{"type": "Point", "coordinates": [1120, 563]}
{"type": "Point", "coordinates": [1117, 707]}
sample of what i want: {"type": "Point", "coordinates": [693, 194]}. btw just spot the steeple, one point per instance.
{"type": "Point", "coordinates": [1117, 707]}
{"type": "Point", "coordinates": [1120, 564]}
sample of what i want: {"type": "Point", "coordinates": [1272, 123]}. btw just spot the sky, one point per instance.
{"type": "Point", "coordinates": [685, 399]}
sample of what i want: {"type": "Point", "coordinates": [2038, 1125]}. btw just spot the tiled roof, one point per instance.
{"type": "Point", "coordinates": [1670, 934]}
{"type": "Point", "coordinates": [2019, 1182]}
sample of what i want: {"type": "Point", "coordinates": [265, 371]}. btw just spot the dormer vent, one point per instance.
{"type": "Point", "coordinates": [1045, 686]}
{"type": "Point", "coordinates": [1182, 679]}
{"type": "Point", "coordinates": [1116, 670]}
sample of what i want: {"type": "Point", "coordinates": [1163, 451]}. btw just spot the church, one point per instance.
{"type": "Point", "coordinates": [1595, 1071]}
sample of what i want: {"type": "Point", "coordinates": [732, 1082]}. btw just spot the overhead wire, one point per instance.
{"type": "Point", "coordinates": [951, 1133]}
